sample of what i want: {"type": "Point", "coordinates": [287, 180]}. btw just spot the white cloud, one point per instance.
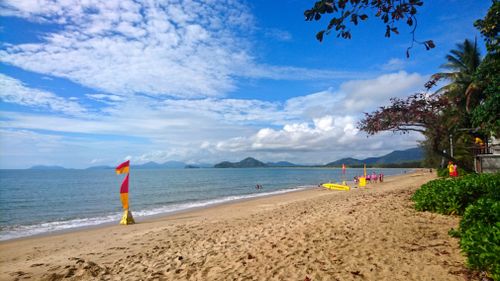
{"type": "Point", "coordinates": [315, 105]}
{"type": "Point", "coordinates": [25, 148]}
{"type": "Point", "coordinates": [105, 98]}
{"type": "Point", "coordinates": [326, 121]}
{"type": "Point", "coordinates": [355, 96]}
{"type": "Point", "coordinates": [326, 139]}
{"type": "Point", "coordinates": [20, 147]}
{"type": "Point", "coordinates": [14, 91]}
{"type": "Point", "coordinates": [96, 161]}
{"type": "Point", "coordinates": [394, 64]}
{"type": "Point", "coordinates": [315, 128]}
{"type": "Point", "coordinates": [278, 34]}
{"type": "Point", "coordinates": [324, 133]}
{"type": "Point", "coordinates": [179, 48]}
{"type": "Point", "coordinates": [239, 111]}
{"type": "Point", "coordinates": [295, 73]}
{"type": "Point", "coordinates": [168, 122]}
{"type": "Point", "coordinates": [368, 94]}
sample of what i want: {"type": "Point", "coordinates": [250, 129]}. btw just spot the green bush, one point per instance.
{"type": "Point", "coordinates": [484, 211]}
{"type": "Point", "coordinates": [477, 197]}
{"type": "Point", "coordinates": [453, 195]}
{"type": "Point", "coordinates": [434, 196]}
{"type": "Point", "coordinates": [443, 172]}
{"type": "Point", "coordinates": [480, 236]}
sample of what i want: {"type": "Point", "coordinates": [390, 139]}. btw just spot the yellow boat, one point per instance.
{"type": "Point", "coordinates": [335, 186]}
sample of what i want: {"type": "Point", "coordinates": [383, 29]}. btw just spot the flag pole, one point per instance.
{"type": "Point", "coordinates": [127, 217]}
{"type": "Point", "coordinates": [343, 174]}
{"type": "Point", "coordinates": [362, 180]}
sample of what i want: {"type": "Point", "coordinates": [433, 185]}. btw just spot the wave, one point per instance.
{"type": "Point", "coordinates": [20, 231]}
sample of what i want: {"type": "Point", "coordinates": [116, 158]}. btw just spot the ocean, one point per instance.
{"type": "Point", "coordinates": [36, 202]}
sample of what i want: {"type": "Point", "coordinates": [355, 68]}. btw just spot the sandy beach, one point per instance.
{"type": "Point", "coordinates": [365, 234]}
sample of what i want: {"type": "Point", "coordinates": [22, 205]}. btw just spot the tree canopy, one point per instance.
{"type": "Point", "coordinates": [419, 112]}
{"type": "Point", "coordinates": [431, 115]}
{"type": "Point", "coordinates": [467, 107]}
{"type": "Point", "coordinates": [490, 27]}
{"type": "Point", "coordinates": [346, 12]}
{"type": "Point", "coordinates": [461, 63]}
{"type": "Point", "coordinates": [487, 114]}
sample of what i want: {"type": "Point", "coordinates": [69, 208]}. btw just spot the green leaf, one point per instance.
{"type": "Point", "coordinates": [319, 35]}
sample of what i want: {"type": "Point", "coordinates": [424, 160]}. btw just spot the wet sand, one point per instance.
{"type": "Point", "coordinates": [364, 234]}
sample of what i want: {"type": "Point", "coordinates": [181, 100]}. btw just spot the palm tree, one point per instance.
{"type": "Point", "coordinates": [465, 92]}
{"type": "Point", "coordinates": [462, 63]}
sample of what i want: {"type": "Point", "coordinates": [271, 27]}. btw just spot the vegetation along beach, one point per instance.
{"type": "Point", "coordinates": [250, 140]}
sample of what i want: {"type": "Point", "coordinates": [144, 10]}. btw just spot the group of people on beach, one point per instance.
{"type": "Point", "coordinates": [371, 178]}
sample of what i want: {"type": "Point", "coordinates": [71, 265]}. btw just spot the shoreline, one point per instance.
{"type": "Point", "coordinates": [367, 232]}
{"type": "Point", "coordinates": [108, 220]}
{"type": "Point", "coordinates": [146, 218]}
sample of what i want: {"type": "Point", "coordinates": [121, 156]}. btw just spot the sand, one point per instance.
{"type": "Point", "coordinates": [364, 234]}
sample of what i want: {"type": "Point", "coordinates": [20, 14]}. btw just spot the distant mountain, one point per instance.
{"type": "Point", "coordinates": [173, 164]}
{"type": "Point", "coordinates": [401, 156]}
{"type": "Point", "coordinates": [245, 163]}
{"type": "Point", "coordinates": [347, 161]}
{"type": "Point", "coordinates": [44, 167]}
{"type": "Point", "coordinates": [198, 165]}
{"type": "Point", "coordinates": [281, 164]}
{"type": "Point", "coordinates": [166, 165]}
{"type": "Point", "coordinates": [148, 165]}
{"type": "Point", "coordinates": [412, 155]}
{"type": "Point", "coordinates": [103, 167]}
{"type": "Point", "coordinates": [204, 165]}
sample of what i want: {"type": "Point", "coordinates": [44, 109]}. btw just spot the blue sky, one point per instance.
{"type": "Point", "coordinates": [86, 83]}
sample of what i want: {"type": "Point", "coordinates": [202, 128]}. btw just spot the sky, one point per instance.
{"type": "Point", "coordinates": [94, 82]}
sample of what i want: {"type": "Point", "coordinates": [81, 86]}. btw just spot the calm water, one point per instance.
{"type": "Point", "coordinates": [39, 201]}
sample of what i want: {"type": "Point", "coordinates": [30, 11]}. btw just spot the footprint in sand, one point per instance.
{"type": "Point", "coordinates": [70, 272]}
{"type": "Point", "coordinates": [54, 268]}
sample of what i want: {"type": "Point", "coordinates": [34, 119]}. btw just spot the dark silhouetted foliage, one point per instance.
{"type": "Point", "coordinates": [345, 12]}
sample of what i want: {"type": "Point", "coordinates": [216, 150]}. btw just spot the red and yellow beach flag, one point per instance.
{"type": "Point", "coordinates": [123, 168]}
{"type": "Point", "coordinates": [124, 193]}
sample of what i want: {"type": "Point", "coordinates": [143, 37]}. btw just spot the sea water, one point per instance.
{"type": "Point", "coordinates": [40, 201]}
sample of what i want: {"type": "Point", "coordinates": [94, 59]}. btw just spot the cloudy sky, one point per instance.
{"type": "Point", "coordinates": [94, 82]}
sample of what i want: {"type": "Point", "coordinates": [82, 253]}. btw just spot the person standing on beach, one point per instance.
{"type": "Point", "coordinates": [450, 168]}
{"type": "Point", "coordinates": [455, 170]}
